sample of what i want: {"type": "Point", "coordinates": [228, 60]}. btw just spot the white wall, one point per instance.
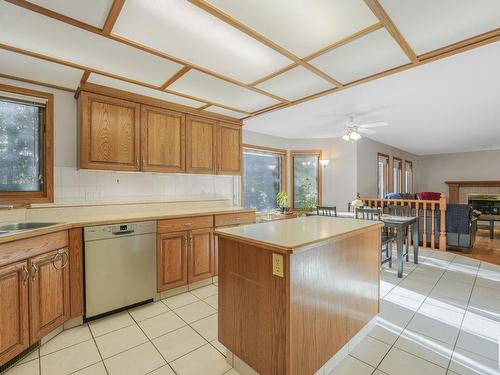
{"type": "Point", "coordinates": [366, 154]}
{"type": "Point", "coordinates": [339, 177]}
{"type": "Point", "coordinates": [465, 166]}
{"type": "Point", "coordinates": [80, 186]}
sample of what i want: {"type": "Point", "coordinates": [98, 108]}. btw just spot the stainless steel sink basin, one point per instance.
{"type": "Point", "coordinates": [23, 225]}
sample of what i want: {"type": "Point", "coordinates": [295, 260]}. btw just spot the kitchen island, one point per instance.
{"type": "Point", "coordinates": [293, 293]}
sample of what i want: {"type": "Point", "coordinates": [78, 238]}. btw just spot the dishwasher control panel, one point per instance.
{"type": "Point", "coordinates": [114, 230]}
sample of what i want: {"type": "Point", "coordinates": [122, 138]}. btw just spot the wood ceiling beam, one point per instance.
{"type": "Point", "coordinates": [85, 77]}
{"type": "Point", "coordinates": [202, 4]}
{"type": "Point", "coordinates": [111, 75]}
{"type": "Point", "coordinates": [326, 49]}
{"type": "Point", "coordinates": [384, 18]}
{"type": "Point", "coordinates": [46, 12]}
{"type": "Point", "coordinates": [175, 77]}
{"type": "Point", "coordinates": [205, 106]}
{"type": "Point", "coordinates": [113, 14]}
{"type": "Point", "coordinates": [21, 79]}
{"type": "Point", "coordinates": [456, 48]}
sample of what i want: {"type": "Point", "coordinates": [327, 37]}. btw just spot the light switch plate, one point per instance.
{"type": "Point", "coordinates": [278, 265]}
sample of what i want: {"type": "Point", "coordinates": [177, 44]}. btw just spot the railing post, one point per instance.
{"type": "Point", "coordinates": [442, 224]}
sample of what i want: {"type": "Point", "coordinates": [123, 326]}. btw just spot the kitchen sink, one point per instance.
{"type": "Point", "coordinates": [22, 226]}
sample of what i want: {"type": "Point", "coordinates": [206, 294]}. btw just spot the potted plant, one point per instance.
{"type": "Point", "coordinates": [307, 199]}
{"type": "Point", "coordinates": [282, 201]}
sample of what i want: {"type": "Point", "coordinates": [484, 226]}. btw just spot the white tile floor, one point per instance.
{"type": "Point", "coordinates": [443, 317]}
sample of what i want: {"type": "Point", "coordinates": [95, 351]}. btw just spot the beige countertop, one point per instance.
{"type": "Point", "coordinates": [287, 235]}
{"type": "Point", "coordinates": [74, 217]}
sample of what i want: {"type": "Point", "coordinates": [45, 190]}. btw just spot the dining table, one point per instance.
{"type": "Point", "coordinates": [401, 224]}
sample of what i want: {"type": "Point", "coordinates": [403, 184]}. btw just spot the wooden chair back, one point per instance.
{"type": "Point", "coordinates": [398, 210]}
{"type": "Point", "coordinates": [368, 213]}
{"type": "Point", "coordinates": [326, 211]}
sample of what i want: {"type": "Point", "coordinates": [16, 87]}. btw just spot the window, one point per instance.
{"type": "Point", "coordinates": [397, 175]}
{"type": "Point", "coordinates": [382, 175]}
{"type": "Point", "coordinates": [408, 177]}
{"type": "Point", "coordinates": [264, 175]}
{"type": "Point", "coordinates": [25, 146]}
{"type": "Point", "coordinates": [306, 178]}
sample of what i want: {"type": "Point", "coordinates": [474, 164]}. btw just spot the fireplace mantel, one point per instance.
{"type": "Point", "coordinates": [454, 187]}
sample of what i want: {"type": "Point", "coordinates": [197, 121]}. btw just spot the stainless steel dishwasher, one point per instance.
{"type": "Point", "coordinates": [120, 266]}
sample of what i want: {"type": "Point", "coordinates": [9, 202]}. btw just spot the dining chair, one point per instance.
{"type": "Point", "coordinates": [326, 211]}
{"type": "Point", "coordinates": [399, 210]}
{"type": "Point", "coordinates": [374, 213]}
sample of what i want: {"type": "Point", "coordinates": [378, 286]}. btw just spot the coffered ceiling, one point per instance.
{"type": "Point", "coordinates": [236, 58]}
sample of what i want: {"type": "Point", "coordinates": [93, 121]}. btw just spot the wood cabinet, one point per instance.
{"type": "Point", "coordinates": [171, 260]}
{"type": "Point", "coordinates": [200, 145]}
{"type": "Point", "coordinates": [163, 140]}
{"type": "Point", "coordinates": [14, 318]}
{"type": "Point", "coordinates": [201, 255]}
{"type": "Point", "coordinates": [109, 133]}
{"type": "Point", "coordinates": [49, 292]}
{"type": "Point", "coordinates": [229, 149]}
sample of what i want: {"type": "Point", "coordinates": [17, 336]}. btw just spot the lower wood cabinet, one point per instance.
{"type": "Point", "coordinates": [201, 255]}
{"type": "Point", "coordinates": [14, 315]}
{"type": "Point", "coordinates": [171, 260]}
{"type": "Point", "coordinates": [34, 291]}
{"type": "Point", "coordinates": [49, 292]}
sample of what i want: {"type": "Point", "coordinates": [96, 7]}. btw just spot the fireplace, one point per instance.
{"type": "Point", "coordinates": [488, 204]}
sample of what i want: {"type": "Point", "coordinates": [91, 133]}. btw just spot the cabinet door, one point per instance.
{"type": "Point", "coordinates": [171, 260]}
{"type": "Point", "coordinates": [49, 292]}
{"type": "Point", "coordinates": [14, 325]}
{"type": "Point", "coordinates": [229, 150]}
{"type": "Point", "coordinates": [201, 255]}
{"type": "Point", "coordinates": [200, 145]}
{"type": "Point", "coordinates": [163, 140]}
{"type": "Point", "coordinates": [109, 133]}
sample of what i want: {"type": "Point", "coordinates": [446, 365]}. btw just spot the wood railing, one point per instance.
{"type": "Point", "coordinates": [418, 205]}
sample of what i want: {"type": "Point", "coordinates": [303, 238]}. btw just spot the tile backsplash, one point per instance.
{"type": "Point", "coordinates": [85, 186]}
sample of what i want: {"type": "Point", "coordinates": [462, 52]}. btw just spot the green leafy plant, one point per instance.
{"type": "Point", "coordinates": [282, 201]}
{"type": "Point", "coordinates": [307, 198]}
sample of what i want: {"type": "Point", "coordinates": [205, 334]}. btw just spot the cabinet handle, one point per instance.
{"type": "Point", "coordinates": [63, 255]}
{"type": "Point", "coordinates": [26, 275]}
{"type": "Point", "coordinates": [190, 240]}
{"type": "Point", "coordinates": [34, 270]}
{"type": "Point", "coordinates": [185, 240]}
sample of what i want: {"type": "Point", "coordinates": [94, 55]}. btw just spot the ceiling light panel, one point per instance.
{"type": "Point", "coordinates": [370, 54]}
{"type": "Point", "coordinates": [226, 112]}
{"type": "Point", "coordinates": [22, 66]}
{"type": "Point", "coordinates": [183, 30]}
{"type": "Point", "coordinates": [92, 12]}
{"type": "Point", "coordinates": [431, 24]}
{"type": "Point", "coordinates": [295, 83]}
{"type": "Point", "coordinates": [141, 90]}
{"type": "Point", "coordinates": [301, 26]}
{"type": "Point", "coordinates": [34, 32]}
{"type": "Point", "coordinates": [202, 85]}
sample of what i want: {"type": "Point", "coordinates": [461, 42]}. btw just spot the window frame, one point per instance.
{"type": "Point", "coordinates": [408, 189]}
{"type": "Point", "coordinates": [47, 194]}
{"type": "Point", "coordinates": [266, 150]}
{"type": "Point", "coordinates": [386, 175]}
{"type": "Point", "coordinates": [400, 183]}
{"type": "Point", "coordinates": [316, 153]}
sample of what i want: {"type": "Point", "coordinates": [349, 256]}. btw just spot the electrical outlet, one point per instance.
{"type": "Point", "coordinates": [278, 266]}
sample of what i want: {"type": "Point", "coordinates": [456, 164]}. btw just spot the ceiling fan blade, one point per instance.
{"type": "Point", "coordinates": [366, 131]}
{"type": "Point", "coordinates": [373, 125]}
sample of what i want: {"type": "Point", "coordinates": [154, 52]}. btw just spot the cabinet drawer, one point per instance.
{"type": "Point", "coordinates": [235, 218]}
{"type": "Point", "coordinates": [188, 223]}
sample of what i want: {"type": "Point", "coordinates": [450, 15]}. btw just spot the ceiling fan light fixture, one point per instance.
{"type": "Point", "coordinates": [355, 136]}
{"type": "Point", "coordinates": [345, 137]}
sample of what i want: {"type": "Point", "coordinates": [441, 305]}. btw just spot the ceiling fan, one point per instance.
{"type": "Point", "coordinates": [353, 129]}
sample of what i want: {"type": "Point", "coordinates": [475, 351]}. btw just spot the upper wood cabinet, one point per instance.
{"type": "Point", "coordinates": [109, 133]}
{"type": "Point", "coordinates": [163, 140]}
{"type": "Point", "coordinates": [229, 149]}
{"type": "Point", "coordinates": [14, 324]}
{"type": "Point", "coordinates": [200, 145]}
{"type": "Point", "coordinates": [49, 292]}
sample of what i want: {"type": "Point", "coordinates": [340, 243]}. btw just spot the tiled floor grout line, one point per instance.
{"type": "Point", "coordinates": [154, 346]}
{"type": "Point", "coordinates": [463, 318]}
{"type": "Point", "coordinates": [98, 350]}
{"type": "Point", "coordinates": [405, 327]}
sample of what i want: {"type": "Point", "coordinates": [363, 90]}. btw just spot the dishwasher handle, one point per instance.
{"type": "Point", "coordinates": [121, 232]}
